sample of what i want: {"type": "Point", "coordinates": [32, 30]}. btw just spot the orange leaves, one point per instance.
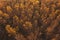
{"type": "Point", "coordinates": [21, 5]}
{"type": "Point", "coordinates": [35, 2]}
{"type": "Point", "coordinates": [6, 16]}
{"type": "Point", "coordinates": [10, 30]}
{"type": "Point", "coordinates": [52, 26]}
{"type": "Point", "coordinates": [52, 15]}
{"type": "Point", "coordinates": [16, 6]}
{"type": "Point", "coordinates": [58, 4]}
{"type": "Point", "coordinates": [15, 20]}
{"type": "Point", "coordinates": [1, 5]}
{"type": "Point", "coordinates": [9, 9]}
{"type": "Point", "coordinates": [31, 17]}
{"type": "Point", "coordinates": [46, 9]}
{"type": "Point", "coordinates": [49, 30]}
{"type": "Point", "coordinates": [1, 13]}
{"type": "Point", "coordinates": [27, 25]}
{"type": "Point", "coordinates": [16, 17]}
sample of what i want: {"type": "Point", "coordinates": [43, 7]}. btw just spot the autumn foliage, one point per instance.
{"type": "Point", "coordinates": [30, 20]}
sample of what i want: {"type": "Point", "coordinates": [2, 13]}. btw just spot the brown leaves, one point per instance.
{"type": "Point", "coordinates": [52, 26]}
{"type": "Point", "coordinates": [31, 17]}
{"type": "Point", "coordinates": [27, 25]}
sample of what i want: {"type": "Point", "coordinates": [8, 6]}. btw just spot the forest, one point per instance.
{"type": "Point", "coordinates": [29, 19]}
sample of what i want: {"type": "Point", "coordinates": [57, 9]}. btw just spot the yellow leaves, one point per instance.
{"type": "Point", "coordinates": [10, 30]}
{"type": "Point", "coordinates": [34, 1]}
{"type": "Point", "coordinates": [16, 17]}
{"type": "Point", "coordinates": [17, 6]}
{"type": "Point", "coordinates": [15, 20]}
{"type": "Point", "coordinates": [16, 28]}
{"type": "Point", "coordinates": [27, 25]}
{"type": "Point", "coordinates": [5, 15]}
{"type": "Point", "coordinates": [22, 5]}
{"type": "Point", "coordinates": [9, 9]}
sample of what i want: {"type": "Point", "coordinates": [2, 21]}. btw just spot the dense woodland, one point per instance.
{"type": "Point", "coordinates": [29, 19]}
